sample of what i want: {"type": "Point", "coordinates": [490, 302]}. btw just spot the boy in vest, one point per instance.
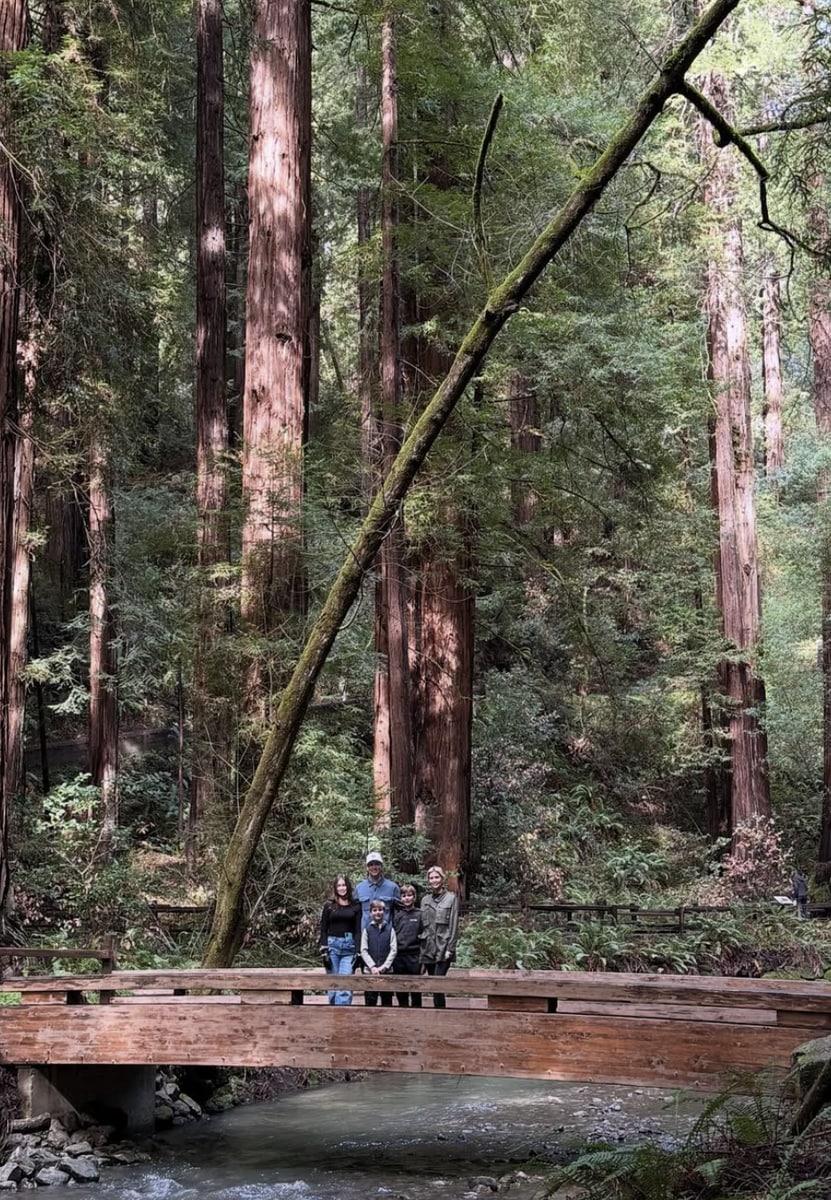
{"type": "Point", "coordinates": [378, 949]}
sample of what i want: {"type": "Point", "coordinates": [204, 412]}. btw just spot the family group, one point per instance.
{"type": "Point", "coordinates": [381, 928]}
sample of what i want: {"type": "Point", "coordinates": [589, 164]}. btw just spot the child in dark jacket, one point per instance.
{"type": "Point", "coordinates": [408, 928]}
{"type": "Point", "coordinates": [378, 949]}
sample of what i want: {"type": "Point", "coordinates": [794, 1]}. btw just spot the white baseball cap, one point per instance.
{"type": "Point", "coordinates": [374, 856]}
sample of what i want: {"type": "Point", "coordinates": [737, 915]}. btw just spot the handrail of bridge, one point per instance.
{"type": "Point", "coordinates": [643, 1030]}
{"type": "Point", "coordinates": [795, 1002]}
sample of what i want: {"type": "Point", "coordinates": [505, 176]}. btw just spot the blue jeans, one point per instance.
{"type": "Point", "coordinates": [342, 952]}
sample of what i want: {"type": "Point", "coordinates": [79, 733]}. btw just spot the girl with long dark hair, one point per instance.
{"type": "Point", "coordinates": [340, 933]}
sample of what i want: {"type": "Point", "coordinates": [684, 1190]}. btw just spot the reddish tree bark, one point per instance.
{"type": "Point", "coordinates": [772, 367]}
{"type": "Point", "coordinates": [819, 332]}
{"type": "Point", "coordinates": [441, 640]}
{"type": "Point", "coordinates": [277, 318]}
{"type": "Point", "coordinates": [210, 715]}
{"type": "Point", "coordinates": [366, 330]}
{"type": "Point", "coordinates": [441, 643]}
{"type": "Point", "coordinates": [393, 744]}
{"type": "Point", "coordinates": [738, 590]}
{"type": "Point", "coordinates": [13, 32]}
{"type": "Point", "coordinates": [235, 358]}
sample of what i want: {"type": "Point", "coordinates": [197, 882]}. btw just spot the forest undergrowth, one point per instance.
{"type": "Point", "coordinates": [743, 1144]}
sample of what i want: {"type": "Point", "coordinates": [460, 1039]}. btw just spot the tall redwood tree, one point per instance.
{"type": "Point", "coordinates": [738, 585]}
{"type": "Point", "coordinates": [393, 741]}
{"type": "Point", "coordinates": [13, 32]}
{"type": "Point", "coordinates": [277, 320]}
{"type": "Point", "coordinates": [819, 332]}
{"type": "Point", "coordinates": [772, 366]}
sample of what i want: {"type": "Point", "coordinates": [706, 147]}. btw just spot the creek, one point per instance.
{"type": "Point", "coordinates": [419, 1137]}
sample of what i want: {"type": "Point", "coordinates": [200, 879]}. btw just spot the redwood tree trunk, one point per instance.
{"type": "Point", "coordinates": [210, 715]}
{"type": "Point", "coordinates": [442, 660]}
{"type": "Point", "coordinates": [13, 31]}
{"type": "Point", "coordinates": [366, 330]}
{"type": "Point", "coordinates": [772, 367]}
{"type": "Point", "coordinates": [738, 591]}
{"type": "Point", "coordinates": [820, 337]}
{"type": "Point", "coordinates": [21, 570]}
{"type": "Point", "coordinates": [393, 743]}
{"type": "Point", "coordinates": [277, 319]}
{"type": "Point", "coordinates": [235, 360]}
{"type": "Point", "coordinates": [103, 668]}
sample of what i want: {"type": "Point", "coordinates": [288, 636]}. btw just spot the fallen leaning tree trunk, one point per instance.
{"type": "Point", "coordinates": [228, 926]}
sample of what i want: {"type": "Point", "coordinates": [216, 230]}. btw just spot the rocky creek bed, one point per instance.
{"type": "Point", "coordinates": [450, 1140]}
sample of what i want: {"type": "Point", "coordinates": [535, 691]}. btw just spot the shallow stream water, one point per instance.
{"type": "Point", "coordinates": [388, 1136]}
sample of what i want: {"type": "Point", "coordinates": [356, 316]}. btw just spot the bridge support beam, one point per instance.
{"type": "Point", "coordinates": [112, 1095]}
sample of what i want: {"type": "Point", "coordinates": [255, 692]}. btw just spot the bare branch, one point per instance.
{"type": "Point", "coordinates": [786, 126]}
{"type": "Point", "coordinates": [727, 136]}
{"type": "Point", "coordinates": [479, 240]}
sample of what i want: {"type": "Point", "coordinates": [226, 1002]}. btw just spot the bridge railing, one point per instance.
{"type": "Point", "coordinates": [645, 1030]}
{"type": "Point", "coordinates": [797, 1003]}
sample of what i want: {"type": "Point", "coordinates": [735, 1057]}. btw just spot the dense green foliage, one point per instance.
{"type": "Point", "coordinates": [740, 1145]}
{"type": "Point", "coordinates": [595, 625]}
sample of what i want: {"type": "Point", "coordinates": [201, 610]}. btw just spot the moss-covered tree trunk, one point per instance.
{"type": "Point", "coordinates": [228, 926]}
{"type": "Point", "coordinates": [103, 665]}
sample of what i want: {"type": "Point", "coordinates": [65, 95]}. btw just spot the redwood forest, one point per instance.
{"type": "Point", "coordinates": [416, 437]}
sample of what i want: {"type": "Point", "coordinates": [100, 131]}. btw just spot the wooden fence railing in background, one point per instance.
{"type": "Point", "coordinates": [11, 956]}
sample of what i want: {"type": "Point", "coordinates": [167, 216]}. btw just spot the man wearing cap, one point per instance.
{"type": "Point", "coordinates": [376, 887]}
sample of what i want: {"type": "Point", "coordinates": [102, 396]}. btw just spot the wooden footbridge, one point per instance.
{"type": "Point", "coordinates": [647, 1030]}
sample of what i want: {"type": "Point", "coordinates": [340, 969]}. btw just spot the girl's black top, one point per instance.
{"type": "Point", "coordinates": [338, 920]}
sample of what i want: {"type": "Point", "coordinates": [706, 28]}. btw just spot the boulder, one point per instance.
{"type": "Point", "coordinates": [24, 1160]}
{"type": "Point", "coordinates": [190, 1104]}
{"type": "Point", "coordinates": [11, 1172]}
{"type": "Point", "coordinates": [98, 1135]}
{"type": "Point", "coordinates": [77, 1148]}
{"type": "Point", "coordinates": [82, 1170]}
{"type": "Point", "coordinates": [51, 1177]}
{"type": "Point", "coordinates": [44, 1157]}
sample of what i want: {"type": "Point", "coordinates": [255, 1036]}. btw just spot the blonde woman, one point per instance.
{"type": "Point", "coordinates": [440, 929]}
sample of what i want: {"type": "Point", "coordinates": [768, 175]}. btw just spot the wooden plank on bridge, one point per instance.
{"type": "Point", "coordinates": [807, 996]}
{"type": "Point", "coordinates": [568, 1046]}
